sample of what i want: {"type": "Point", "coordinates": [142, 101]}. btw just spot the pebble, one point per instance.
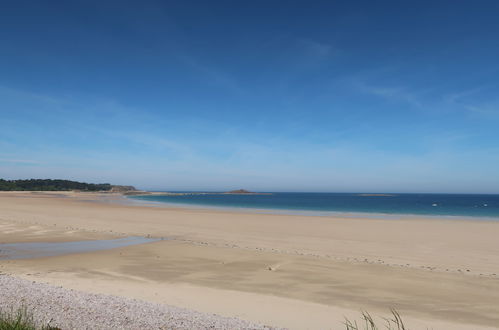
{"type": "Point", "coordinates": [71, 309]}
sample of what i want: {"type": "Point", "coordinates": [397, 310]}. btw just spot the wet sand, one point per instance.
{"type": "Point", "coordinates": [294, 271]}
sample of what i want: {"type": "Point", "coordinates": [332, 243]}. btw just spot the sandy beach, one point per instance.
{"type": "Point", "coordinates": [299, 272]}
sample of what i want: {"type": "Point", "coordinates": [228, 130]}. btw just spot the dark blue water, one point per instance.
{"type": "Point", "coordinates": [419, 204]}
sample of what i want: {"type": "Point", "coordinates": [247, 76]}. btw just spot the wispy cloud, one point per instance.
{"type": "Point", "coordinates": [457, 97]}
{"type": "Point", "coordinates": [391, 94]}
{"type": "Point", "coordinates": [475, 100]}
{"type": "Point", "coordinates": [212, 75]}
{"type": "Point", "coordinates": [28, 95]}
{"type": "Point", "coordinates": [471, 101]}
{"type": "Point", "coordinates": [309, 55]}
{"type": "Point", "coordinates": [19, 161]}
{"type": "Point", "coordinates": [485, 110]}
{"type": "Point", "coordinates": [317, 50]}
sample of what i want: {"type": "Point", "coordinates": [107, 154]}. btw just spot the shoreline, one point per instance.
{"type": "Point", "coordinates": [433, 272]}
{"type": "Point", "coordinates": [314, 213]}
{"type": "Point", "coordinates": [128, 198]}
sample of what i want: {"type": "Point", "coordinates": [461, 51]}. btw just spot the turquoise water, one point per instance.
{"type": "Point", "coordinates": [415, 204]}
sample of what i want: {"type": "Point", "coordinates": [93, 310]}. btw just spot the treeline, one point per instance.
{"type": "Point", "coordinates": [50, 185]}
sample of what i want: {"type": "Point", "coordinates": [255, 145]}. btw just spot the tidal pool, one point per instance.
{"type": "Point", "coordinates": [40, 249]}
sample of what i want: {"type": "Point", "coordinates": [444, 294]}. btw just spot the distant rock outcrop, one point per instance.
{"type": "Point", "coordinates": [122, 189]}
{"type": "Point", "coordinates": [239, 191]}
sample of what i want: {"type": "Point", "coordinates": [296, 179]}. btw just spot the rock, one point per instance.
{"type": "Point", "coordinates": [122, 189]}
{"type": "Point", "coordinates": [239, 191]}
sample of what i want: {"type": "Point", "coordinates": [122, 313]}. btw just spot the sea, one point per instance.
{"type": "Point", "coordinates": [452, 205]}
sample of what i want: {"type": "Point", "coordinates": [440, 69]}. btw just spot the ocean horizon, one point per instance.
{"type": "Point", "coordinates": [425, 204]}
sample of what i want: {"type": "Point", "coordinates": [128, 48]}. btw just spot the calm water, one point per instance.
{"type": "Point", "coordinates": [419, 204]}
{"type": "Point", "coordinates": [42, 249]}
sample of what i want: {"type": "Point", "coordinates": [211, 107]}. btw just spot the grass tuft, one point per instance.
{"type": "Point", "coordinates": [368, 323]}
{"type": "Point", "coordinates": [20, 320]}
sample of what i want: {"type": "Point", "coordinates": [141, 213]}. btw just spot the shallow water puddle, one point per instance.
{"type": "Point", "coordinates": [39, 250]}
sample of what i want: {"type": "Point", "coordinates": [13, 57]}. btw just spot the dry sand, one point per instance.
{"type": "Point", "coordinates": [300, 272]}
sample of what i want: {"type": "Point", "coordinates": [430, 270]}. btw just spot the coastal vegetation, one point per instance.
{"type": "Point", "coordinates": [51, 185]}
{"type": "Point", "coordinates": [20, 320]}
{"type": "Point", "coordinates": [367, 322]}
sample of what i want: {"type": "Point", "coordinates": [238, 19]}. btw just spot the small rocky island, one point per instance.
{"type": "Point", "coordinates": [244, 192]}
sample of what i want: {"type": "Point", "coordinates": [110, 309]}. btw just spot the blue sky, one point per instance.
{"type": "Point", "coordinates": [396, 96]}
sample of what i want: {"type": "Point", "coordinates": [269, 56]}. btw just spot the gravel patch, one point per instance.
{"type": "Point", "coordinates": [70, 309]}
